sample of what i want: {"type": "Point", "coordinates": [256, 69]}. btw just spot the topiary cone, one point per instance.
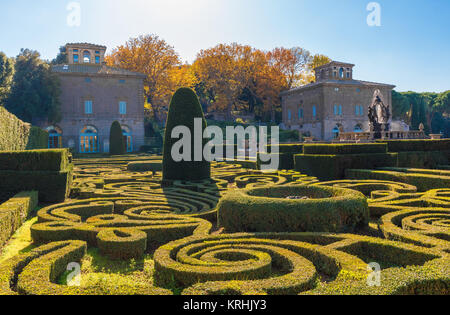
{"type": "Point", "coordinates": [184, 108]}
{"type": "Point", "coordinates": [116, 142]}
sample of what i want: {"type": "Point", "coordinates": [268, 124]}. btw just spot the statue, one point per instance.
{"type": "Point", "coordinates": [379, 115]}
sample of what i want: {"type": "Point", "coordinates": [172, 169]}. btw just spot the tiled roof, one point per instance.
{"type": "Point", "coordinates": [340, 82]}
{"type": "Point", "coordinates": [93, 69]}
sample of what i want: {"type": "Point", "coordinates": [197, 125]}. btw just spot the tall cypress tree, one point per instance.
{"type": "Point", "coordinates": [116, 141]}
{"type": "Point", "coordinates": [184, 108]}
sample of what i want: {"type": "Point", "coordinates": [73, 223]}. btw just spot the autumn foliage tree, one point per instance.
{"type": "Point", "coordinates": [227, 77]}
{"type": "Point", "coordinates": [154, 57]}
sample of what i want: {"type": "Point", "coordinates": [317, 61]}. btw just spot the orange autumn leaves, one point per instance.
{"type": "Point", "coordinates": [219, 74]}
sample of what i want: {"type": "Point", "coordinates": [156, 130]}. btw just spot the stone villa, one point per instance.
{"type": "Point", "coordinates": [334, 103]}
{"type": "Point", "coordinates": [93, 96]}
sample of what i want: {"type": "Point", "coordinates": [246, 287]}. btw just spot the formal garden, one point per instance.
{"type": "Point", "coordinates": [148, 225]}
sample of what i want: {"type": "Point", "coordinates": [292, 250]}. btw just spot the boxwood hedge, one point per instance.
{"type": "Point", "coordinates": [267, 209]}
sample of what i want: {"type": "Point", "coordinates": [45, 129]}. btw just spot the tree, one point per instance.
{"type": "Point", "coordinates": [225, 71]}
{"type": "Point", "coordinates": [61, 58]}
{"type": "Point", "coordinates": [154, 57]}
{"type": "Point", "coordinates": [401, 107]}
{"type": "Point", "coordinates": [35, 90]}
{"type": "Point", "coordinates": [6, 76]}
{"type": "Point", "coordinates": [442, 103]}
{"type": "Point", "coordinates": [184, 109]}
{"type": "Point", "coordinates": [316, 61]}
{"type": "Point", "coordinates": [116, 141]}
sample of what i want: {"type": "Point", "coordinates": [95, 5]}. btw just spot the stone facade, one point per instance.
{"type": "Point", "coordinates": [335, 102]}
{"type": "Point", "coordinates": [93, 96]}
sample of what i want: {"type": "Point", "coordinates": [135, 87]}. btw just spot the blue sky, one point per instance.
{"type": "Point", "coordinates": [410, 49]}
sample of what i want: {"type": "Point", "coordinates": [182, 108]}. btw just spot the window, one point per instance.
{"type": "Point", "coordinates": [358, 128]}
{"type": "Point", "coordinates": [336, 89]}
{"type": "Point", "coordinates": [97, 52]}
{"type": "Point", "coordinates": [97, 59]}
{"type": "Point", "coordinates": [88, 107]}
{"type": "Point", "coordinates": [122, 82]}
{"type": "Point", "coordinates": [54, 137]}
{"type": "Point", "coordinates": [89, 140]}
{"type": "Point", "coordinates": [75, 59]}
{"type": "Point", "coordinates": [87, 57]}
{"type": "Point", "coordinates": [314, 110]}
{"type": "Point", "coordinates": [336, 132]}
{"type": "Point", "coordinates": [348, 75]}
{"type": "Point", "coordinates": [359, 110]}
{"type": "Point", "coordinates": [88, 80]}
{"type": "Point", "coordinates": [341, 73]}
{"type": "Point", "coordinates": [128, 138]}
{"type": "Point", "coordinates": [75, 50]}
{"type": "Point", "coordinates": [336, 110]}
{"type": "Point", "coordinates": [358, 90]}
{"type": "Point", "coordinates": [123, 108]}
{"type": "Point", "coordinates": [289, 115]}
{"type": "Point", "coordinates": [340, 110]}
{"type": "Point", "coordinates": [300, 113]}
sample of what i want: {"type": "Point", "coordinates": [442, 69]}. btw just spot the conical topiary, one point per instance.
{"type": "Point", "coordinates": [184, 108]}
{"type": "Point", "coordinates": [116, 141]}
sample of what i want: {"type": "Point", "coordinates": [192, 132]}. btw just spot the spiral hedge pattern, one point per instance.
{"type": "Point", "coordinates": [296, 263]}
{"type": "Point", "coordinates": [129, 213]}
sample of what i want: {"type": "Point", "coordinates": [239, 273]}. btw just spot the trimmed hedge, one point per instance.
{"type": "Point", "coordinates": [423, 182]}
{"type": "Point", "coordinates": [14, 212]}
{"type": "Point", "coordinates": [86, 219]}
{"type": "Point", "coordinates": [383, 202]}
{"type": "Point", "coordinates": [287, 148]}
{"type": "Point", "coordinates": [333, 167]}
{"type": "Point", "coordinates": [336, 149]}
{"type": "Point", "coordinates": [424, 227]}
{"type": "Point", "coordinates": [122, 243]}
{"type": "Point", "coordinates": [183, 110]}
{"type": "Point", "coordinates": [37, 160]}
{"type": "Point", "coordinates": [36, 273]}
{"type": "Point", "coordinates": [47, 171]}
{"type": "Point", "coordinates": [266, 209]}
{"type": "Point", "coordinates": [150, 166]}
{"type": "Point", "coordinates": [17, 135]}
{"type": "Point", "coordinates": [241, 264]}
{"type": "Point", "coordinates": [422, 159]}
{"type": "Point", "coordinates": [417, 145]}
{"type": "Point", "coordinates": [286, 160]}
{"type": "Point", "coordinates": [368, 187]}
{"type": "Point", "coordinates": [52, 186]}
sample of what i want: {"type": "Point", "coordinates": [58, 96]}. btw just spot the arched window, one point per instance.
{"type": "Point", "coordinates": [54, 137]}
{"type": "Point", "coordinates": [358, 128]}
{"type": "Point", "coordinates": [336, 131]}
{"type": "Point", "coordinates": [86, 57]}
{"type": "Point", "coordinates": [89, 140]}
{"type": "Point", "coordinates": [341, 73]}
{"type": "Point", "coordinates": [128, 138]}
